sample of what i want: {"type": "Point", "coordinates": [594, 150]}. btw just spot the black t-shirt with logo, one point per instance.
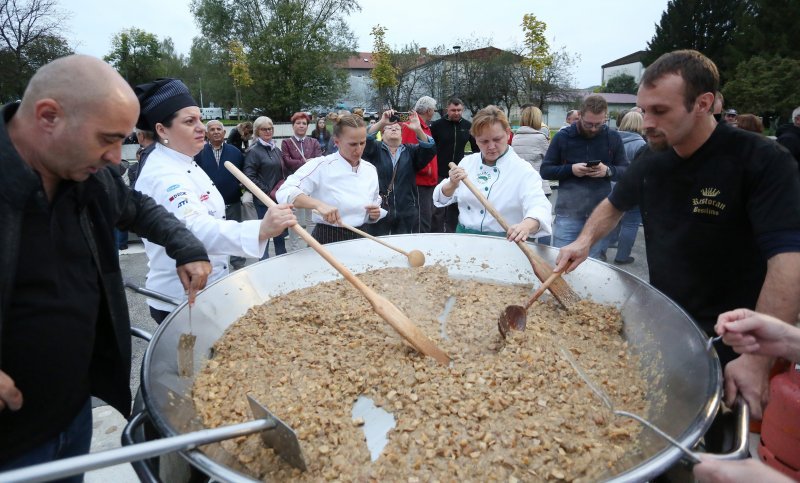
{"type": "Point", "coordinates": [704, 217]}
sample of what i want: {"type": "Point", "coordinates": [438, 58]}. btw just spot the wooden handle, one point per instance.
{"type": "Point", "coordinates": [385, 309]}
{"type": "Point", "coordinates": [561, 290]}
{"type": "Point", "coordinates": [539, 291]}
{"type": "Point", "coordinates": [367, 235]}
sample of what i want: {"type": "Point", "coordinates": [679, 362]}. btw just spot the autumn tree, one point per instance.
{"type": "Point", "coordinates": [546, 73]}
{"type": "Point", "coordinates": [384, 74]}
{"type": "Point", "coordinates": [30, 37]}
{"type": "Point", "coordinates": [136, 55]}
{"type": "Point", "coordinates": [537, 50]}
{"type": "Point", "coordinates": [240, 72]}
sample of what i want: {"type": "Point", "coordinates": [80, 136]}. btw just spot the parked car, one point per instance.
{"type": "Point", "coordinates": [236, 113]}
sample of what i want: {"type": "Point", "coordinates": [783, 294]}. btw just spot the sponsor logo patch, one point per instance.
{"type": "Point", "coordinates": [184, 202]}
{"type": "Point", "coordinates": [173, 187]}
{"type": "Point", "coordinates": [204, 198]}
{"type": "Point", "coordinates": [177, 195]}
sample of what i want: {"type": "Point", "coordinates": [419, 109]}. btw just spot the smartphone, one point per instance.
{"type": "Point", "coordinates": [399, 117]}
{"type": "Point", "coordinates": [592, 164]}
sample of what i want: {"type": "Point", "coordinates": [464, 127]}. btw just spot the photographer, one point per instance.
{"type": "Point", "coordinates": [397, 166]}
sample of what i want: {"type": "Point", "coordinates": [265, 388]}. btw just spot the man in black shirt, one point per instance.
{"type": "Point", "coordinates": [64, 326]}
{"type": "Point", "coordinates": [721, 211]}
{"type": "Point", "coordinates": [451, 135]}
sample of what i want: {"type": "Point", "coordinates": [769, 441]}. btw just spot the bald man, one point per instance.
{"type": "Point", "coordinates": [64, 326]}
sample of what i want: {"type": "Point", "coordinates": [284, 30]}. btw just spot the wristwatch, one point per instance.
{"type": "Point", "coordinates": [608, 171]}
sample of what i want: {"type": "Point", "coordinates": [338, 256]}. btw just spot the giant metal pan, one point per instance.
{"type": "Point", "coordinates": [685, 379]}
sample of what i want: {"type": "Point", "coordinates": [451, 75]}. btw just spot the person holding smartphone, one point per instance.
{"type": "Point", "coordinates": [584, 158]}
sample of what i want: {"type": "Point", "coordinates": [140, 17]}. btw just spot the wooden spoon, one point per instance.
{"type": "Point", "coordinates": [515, 317]}
{"type": "Point", "coordinates": [385, 309]}
{"type": "Point", "coordinates": [561, 290]}
{"type": "Point", "coordinates": [415, 257]}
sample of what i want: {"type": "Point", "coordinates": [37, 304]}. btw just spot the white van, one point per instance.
{"type": "Point", "coordinates": [211, 113]}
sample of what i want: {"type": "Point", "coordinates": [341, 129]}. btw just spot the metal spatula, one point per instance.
{"type": "Point", "coordinates": [274, 433]}
{"type": "Point", "coordinates": [186, 350]}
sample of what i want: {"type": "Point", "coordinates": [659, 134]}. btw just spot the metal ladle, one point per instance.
{"type": "Point", "coordinates": [515, 317]}
{"type": "Point", "coordinates": [690, 455]}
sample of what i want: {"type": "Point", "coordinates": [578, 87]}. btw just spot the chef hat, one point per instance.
{"type": "Point", "coordinates": [159, 99]}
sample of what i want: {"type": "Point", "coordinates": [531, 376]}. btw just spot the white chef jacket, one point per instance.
{"type": "Point", "coordinates": [512, 186]}
{"type": "Point", "coordinates": [177, 183]}
{"type": "Point", "coordinates": [332, 180]}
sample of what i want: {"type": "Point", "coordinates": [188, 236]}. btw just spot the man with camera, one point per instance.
{"type": "Point", "coordinates": [451, 134]}
{"type": "Point", "coordinates": [584, 158]}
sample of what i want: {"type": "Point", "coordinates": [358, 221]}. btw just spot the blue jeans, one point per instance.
{"type": "Point", "coordinates": [628, 229]}
{"type": "Point", "coordinates": [280, 240]}
{"type": "Point", "coordinates": [566, 230]}
{"type": "Point", "coordinates": [75, 440]}
{"type": "Point", "coordinates": [121, 237]}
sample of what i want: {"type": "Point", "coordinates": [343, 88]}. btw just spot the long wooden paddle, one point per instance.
{"type": "Point", "coordinates": [559, 288]}
{"type": "Point", "coordinates": [385, 309]}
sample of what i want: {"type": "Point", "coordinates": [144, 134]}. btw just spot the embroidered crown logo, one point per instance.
{"type": "Point", "coordinates": [710, 192]}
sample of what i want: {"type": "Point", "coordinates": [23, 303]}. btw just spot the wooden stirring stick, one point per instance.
{"type": "Point", "coordinates": [561, 290]}
{"type": "Point", "coordinates": [415, 257]}
{"type": "Point", "coordinates": [385, 309]}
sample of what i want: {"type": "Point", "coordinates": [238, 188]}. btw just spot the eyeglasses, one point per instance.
{"type": "Point", "coordinates": [592, 125]}
{"type": "Point", "coordinates": [268, 129]}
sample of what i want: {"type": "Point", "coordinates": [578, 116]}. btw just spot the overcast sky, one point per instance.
{"type": "Point", "coordinates": [599, 31]}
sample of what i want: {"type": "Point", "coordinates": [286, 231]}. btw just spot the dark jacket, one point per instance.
{"type": "Point", "coordinates": [108, 203]}
{"type": "Point", "coordinates": [404, 198]}
{"type": "Point", "coordinates": [790, 139]}
{"type": "Point", "coordinates": [264, 167]}
{"type": "Point", "coordinates": [578, 196]}
{"type": "Point", "coordinates": [225, 182]}
{"type": "Point", "coordinates": [235, 140]}
{"type": "Point", "coordinates": [451, 137]}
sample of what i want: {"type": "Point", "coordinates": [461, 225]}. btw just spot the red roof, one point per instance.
{"type": "Point", "coordinates": [361, 61]}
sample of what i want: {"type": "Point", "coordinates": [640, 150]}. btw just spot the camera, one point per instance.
{"type": "Point", "coordinates": [399, 117]}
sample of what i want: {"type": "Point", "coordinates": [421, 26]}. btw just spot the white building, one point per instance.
{"type": "Point", "coordinates": [631, 64]}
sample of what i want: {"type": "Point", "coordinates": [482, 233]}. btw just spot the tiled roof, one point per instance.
{"type": "Point", "coordinates": [361, 61]}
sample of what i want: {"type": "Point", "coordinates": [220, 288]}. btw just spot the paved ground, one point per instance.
{"type": "Point", "coordinates": [108, 422]}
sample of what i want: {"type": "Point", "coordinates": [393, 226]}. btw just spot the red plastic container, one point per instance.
{"type": "Point", "coordinates": [780, 428]}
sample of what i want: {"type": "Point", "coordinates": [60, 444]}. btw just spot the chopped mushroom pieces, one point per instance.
{"type": "Point", "coordinates": [505, 410]}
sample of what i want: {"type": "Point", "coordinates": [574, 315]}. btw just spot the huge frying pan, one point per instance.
{"type": "Point", "coordinates": [684, 377]}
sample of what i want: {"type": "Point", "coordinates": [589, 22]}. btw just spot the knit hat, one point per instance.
{"type": "Point", "coordinates": [159, 99]}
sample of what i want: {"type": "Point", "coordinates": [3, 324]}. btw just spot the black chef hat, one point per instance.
{"type": "Point", "coordinates": [159, 99]}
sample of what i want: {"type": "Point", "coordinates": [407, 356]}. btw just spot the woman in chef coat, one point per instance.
{"type": "Point", "coordinates": [175, 181]}
{"type": "Point", "coordinates": [339, 187]}
{"type": "Point", "coordinates": [510, 184]}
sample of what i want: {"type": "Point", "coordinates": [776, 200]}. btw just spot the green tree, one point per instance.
{"type": "Point", "coordinates": [295, 48]}
{"type": "Point", "coordinates": [708, 26]}
{"type": "Point", "coordinates": [621, 84]}
{"type": "Point", "coordinates": [207, 73]}
{"type": "Point", "coordinates": [767, 28]}
{"type": "Point", "coordinates": [766, 86]}
{"type": "Point", "coordinates": [30, 36]}
{"type": "Point", "coordinates": [384, 74]}
{"type": "Point", "coordinates": [136, 55]}
{"type": "Point", "coordinates": [173, 64]}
